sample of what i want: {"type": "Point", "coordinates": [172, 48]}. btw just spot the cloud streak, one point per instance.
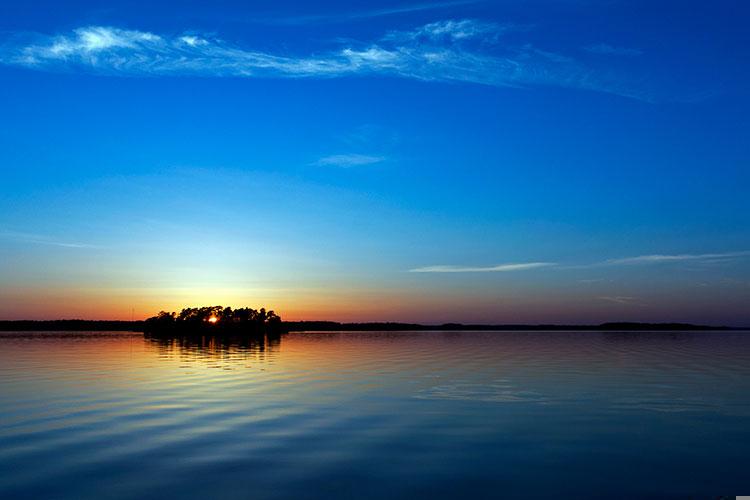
{"type": "Point", "coordinates": [618, 299]}
{"type": "Point", "coordinates": [368, 14]}
{"type": "Point", "coordinates": [492, 269]}
{"type": "Point", "coordinates": [606, 49]}
{"type": "Point", "coordinates": [662, 258]}
{"type": "Point", "coordinates": [348, 160]}
{"type": "Point", "coordinates": [461, 50]}
{"type": "Point", "coordinates": [451, 31]}
{"type": "Point", "coordinates": [44, 240]}
{"type": "Point", "coordinates": [640, 259]}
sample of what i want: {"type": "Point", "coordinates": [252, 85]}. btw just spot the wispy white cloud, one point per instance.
{"type": "Point", "coordinates": [39, 239]}
{"type": "Point", "coordinates": [640, 259]}
{"type": "Point", "coordinates": [606, 49]}
{"type": "Point", "coordinates": [367, 14]}
{"type": "Point", "coordinates": [492, 269]}
{"type": "Point", "coordinates": [662, 258]}
{"type": "Point", "coordinates": [450, 50]}
{"type": "Point", "coordinates": [450, 31]}
{"type": "Point", "coordinates": [618, 299]}
{"type": "Point", "coordinates": [348, 160]}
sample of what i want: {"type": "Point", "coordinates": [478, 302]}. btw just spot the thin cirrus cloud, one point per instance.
{"type": "Point", "coordinates": [492, 269]}
{"type": "Point", "coordinates": [348, 160]}
{"type": "Point", "coordinates": [39, 239]}
{"type": "Point", "coordinates": [606, 49]}
{"type": "Point", "coordinates": [618, 299]}
{"type": "Point", "coordinates": [462, 50]}
{"type": "Point", "coordinates": [662, 258]}
{"type": "Point", "coordinates": [451, 31]}
{"type": "Point", "coordinates": [366, 14]}
{"type": "Point", "coordinates": [640, 259]}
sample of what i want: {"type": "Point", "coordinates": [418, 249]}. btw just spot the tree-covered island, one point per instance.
{"type": "Point", "coordinates": [214, 320]}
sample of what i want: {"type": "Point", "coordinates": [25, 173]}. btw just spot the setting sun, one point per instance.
{"type": "Point", "coordinates": [213, 319]}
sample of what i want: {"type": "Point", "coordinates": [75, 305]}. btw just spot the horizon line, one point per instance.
{"type": "Point", "coordinates": [456, 325]}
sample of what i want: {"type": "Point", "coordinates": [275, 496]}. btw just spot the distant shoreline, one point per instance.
{"type": "Point", "coordinates": [76, 325]}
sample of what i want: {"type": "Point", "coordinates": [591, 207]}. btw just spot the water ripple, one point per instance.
{"type": "Point", "coordinates": [373, 415]}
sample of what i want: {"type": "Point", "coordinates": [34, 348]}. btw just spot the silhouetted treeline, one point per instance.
{"type": "Point", "coordinates": [214, 320]}
{"type": "Point", "coordinates": [319, 326]}
{"type": "Point", "coordinates": [71, 325]}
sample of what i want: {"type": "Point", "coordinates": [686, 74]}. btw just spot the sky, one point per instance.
{"type": "Point", "coordinates": [559, 161]}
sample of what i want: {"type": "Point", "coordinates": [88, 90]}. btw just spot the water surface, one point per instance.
{"type": "Point", "coordinates": [376, 415]}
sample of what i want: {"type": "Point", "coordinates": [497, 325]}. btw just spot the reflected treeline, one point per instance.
{"type": "Point", "coordinates": [250, 319]}
{"type": "Point", "coordinates": [641, 336]}
{"type": "Point", "coordinates": [215, 346]}
{"type": "Point", "coordinates": [215, 333]}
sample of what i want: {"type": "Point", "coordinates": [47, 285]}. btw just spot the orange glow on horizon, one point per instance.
{"type": "Point", "coordinates": [332, 304]}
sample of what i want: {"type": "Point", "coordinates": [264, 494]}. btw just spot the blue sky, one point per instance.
{"type": "Point", "coordinates": [561, 161]}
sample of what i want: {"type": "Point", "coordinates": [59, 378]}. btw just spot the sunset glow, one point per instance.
{"type": "Point", "coordinates": [378, 249]}
{"type": "Point", "coordinates": [457, 163]}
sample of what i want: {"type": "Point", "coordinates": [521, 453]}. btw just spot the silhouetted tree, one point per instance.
{"type": "Point", "coordinates": [214, 320]}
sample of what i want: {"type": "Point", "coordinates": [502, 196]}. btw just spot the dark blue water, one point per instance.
{"type": "Point", "coordinates": [376, 415]}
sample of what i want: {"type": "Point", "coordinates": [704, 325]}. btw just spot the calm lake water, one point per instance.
{"type": "Point", "coordinates": [376, 415]}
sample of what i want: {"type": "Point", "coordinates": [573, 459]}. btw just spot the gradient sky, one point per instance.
{"type": "Point", "coordinates": [518, 161]}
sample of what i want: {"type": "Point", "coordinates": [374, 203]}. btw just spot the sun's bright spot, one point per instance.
{"type": "Point", "coordinates": [213, 319]}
